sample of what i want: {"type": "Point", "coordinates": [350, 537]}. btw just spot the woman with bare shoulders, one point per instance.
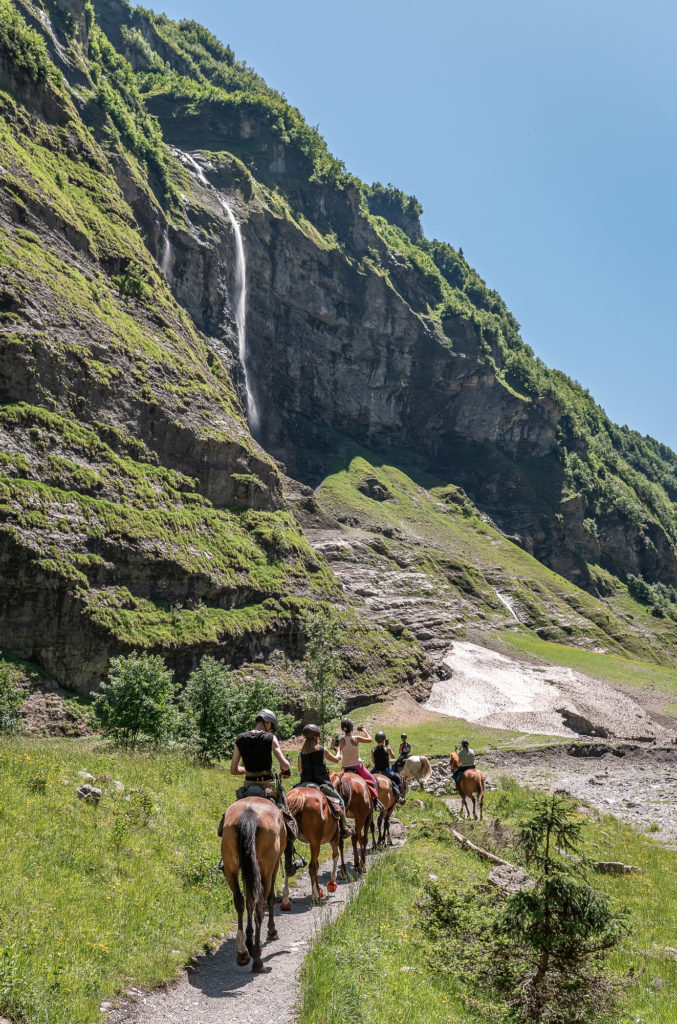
{"type": "Point", "coordinates": [348, 748]}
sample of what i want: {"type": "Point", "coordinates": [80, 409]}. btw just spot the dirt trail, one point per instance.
{"type": "Point", "coordinates": [217, 991]}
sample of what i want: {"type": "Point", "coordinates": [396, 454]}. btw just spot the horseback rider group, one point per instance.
{"type": "Point", "coordinates": [253, 758]}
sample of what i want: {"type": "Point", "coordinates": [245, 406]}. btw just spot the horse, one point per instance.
{"type": "Point", "coordinates": [357, 798]}
{"type": "Point", "coordinates": [386, 795]}
{"type": "Point", "coordinates": [253, 841]}
{"type": "Point", "coordinates": [471, 782]}
{"type": "Point", "coordinates": [417, 769]}
{"type": "Point", "coordinates": [317, 826]}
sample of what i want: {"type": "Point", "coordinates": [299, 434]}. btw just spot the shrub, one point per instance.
{"type": "Point", "coordinates": [12, 696]}
{"type": "Point", "coordinates": [136, 700]}
{"type": "Point", "coordinates": [217, 708]}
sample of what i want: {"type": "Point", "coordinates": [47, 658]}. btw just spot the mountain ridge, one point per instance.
{"type": "Point", "coordinates": [136, 508]}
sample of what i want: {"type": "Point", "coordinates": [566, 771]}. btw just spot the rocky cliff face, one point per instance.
{"type": "Point", "coordinates": [136, 507]}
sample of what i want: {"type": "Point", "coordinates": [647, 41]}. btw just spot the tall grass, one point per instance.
{"type": "Point", "coordinates": [95, 898]}
{"type": "Point", "coordinates": [373, 963]}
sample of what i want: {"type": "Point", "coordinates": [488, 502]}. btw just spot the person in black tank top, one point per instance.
{"type": "Point", "coordinates": [380, 757]}
{"type": "Point", "coordinates": [256, 749]}
{"type": "Point", "coordinates": [405, 751]}
{"type": "Point", "coordinates": [313, 769]}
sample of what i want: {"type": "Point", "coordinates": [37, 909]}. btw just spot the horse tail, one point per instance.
{"type": "Point", "coordinates": [346, 790]}
{"type": "Point", "coordinates": [427, 769]}
{"type": "Point", "coordinates": [249, 862]}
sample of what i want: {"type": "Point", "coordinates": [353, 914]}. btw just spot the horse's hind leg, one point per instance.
{"type": "Point", "coordinates": [331, 884]}
{"type": "Point", "coordinates": [474, 806]}
{"type": "Point", "coordinates": [238, 900]}
{"type": "Point", "coordinates": [344, 869]}
{"type": "Point", "coordinates": [272, 930]}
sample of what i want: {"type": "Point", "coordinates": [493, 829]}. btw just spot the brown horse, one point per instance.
{"type": "Point", "coordinates": [386, 795]}
{"type": "Point", "coordinates": [317, 826]}
{"type": "Point", "coordinates": [357, 798]}
{"type": "Point", "coordinates": [471, 782]}
{"type": "Point", "coordinates": [254, 839]}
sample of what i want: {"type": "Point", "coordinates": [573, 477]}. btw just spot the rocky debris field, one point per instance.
{"type": "Point", "coordinates": [502, 692]}
{"type": "Point", "coordinates": [637, 783]}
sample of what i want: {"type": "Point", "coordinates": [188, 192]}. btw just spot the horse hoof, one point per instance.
{"type": "Point", "coordinates": [257, 966]}
{"type": "Point", "coordinates": [242, 959]}
{"type": "Point", "coordinates": [332, 886]}
{"type": "Point", "coordinates": [272, 935]}
{"type": "Point", "coordinates": [285, 905]}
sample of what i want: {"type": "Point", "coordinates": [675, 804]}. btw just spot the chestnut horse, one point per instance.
{"type": "Point", "coordinates": [359, 807]}
{"type": "Point", "coordinates": [386, 795]}
{"type": "Point", "coordinates": [254, 839]}
{"type": "Point", "coordinates": [471, 782]}
{"type": "Point", "coordinates": [317, 826]}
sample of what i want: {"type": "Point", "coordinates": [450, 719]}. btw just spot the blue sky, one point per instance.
{"type": "Point", "coordinates": [538, 136]}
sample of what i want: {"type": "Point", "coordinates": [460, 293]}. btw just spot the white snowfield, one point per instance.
{"type": "Point", "coordinates": [503, 692]}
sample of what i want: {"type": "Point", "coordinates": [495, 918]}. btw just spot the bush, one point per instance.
{"type": "Point", "coordinates": [12, 696]}
{"type": "Point", "coordinates": [136, 700]}
{"type": "Point", "coordinates": [218, 708]}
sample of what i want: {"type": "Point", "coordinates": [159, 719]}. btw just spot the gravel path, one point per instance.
{"type": "Point", "coordinates": [217, 991]}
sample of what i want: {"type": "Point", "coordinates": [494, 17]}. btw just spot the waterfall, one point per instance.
{"type": "Point", "coordinates": [507, 602]}
{"type": "Point", "coordinates": [240, 297]}
{"type": "Point", "coordinates": [166, 256]}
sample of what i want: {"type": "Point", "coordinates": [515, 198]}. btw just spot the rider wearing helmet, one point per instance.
{"type": "Point", "coordinates": [380, 757]}
{"type": "Point", "coordinates": [404, 752]}
{"type": "Point", "coordinates": [255, 749]}
{"type": "Point", "coordinates": [466, 758]}
{"type": "Point", "coordinates": [313, 771]}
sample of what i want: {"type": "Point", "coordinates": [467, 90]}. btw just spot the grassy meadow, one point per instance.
{"type": "Point", "coordinates": [94, 899]}
{"type": "Point", "coordinates": [374, 963]}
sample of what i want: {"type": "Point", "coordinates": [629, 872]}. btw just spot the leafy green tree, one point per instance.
{"type": "Point", "coordinates": [322, 665]}
{"type": "Point", "coordinates": [12, 696]}
{"type": "Point", "coordinates": [136, 700]}
{"type": "Point", "coordinates": [562, 920]}
{"type": "Point", "coordinates": [209, 701]}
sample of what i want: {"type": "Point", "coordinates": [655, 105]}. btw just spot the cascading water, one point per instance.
{"type": "Point", "coordinates": [507, 603]}
{"type": "Point", "coordinates": [166, 257]}
{"type": "Point", "coordinates": [240, 303]}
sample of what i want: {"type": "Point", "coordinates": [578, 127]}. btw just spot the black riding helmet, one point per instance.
{"type": "Point", "coordinates": [380, 737]}
{"type": "Point", "coordinates": [347, 724]}
{"type": "Point", "coordinates": [464, 743]}
{"type": "Point", "coordinates": [311, 730]}
{"type": "Point", "coordinates": [403, 735]}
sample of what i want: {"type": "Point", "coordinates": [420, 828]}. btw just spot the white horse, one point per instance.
{"type": "Point", "coordinates": [415, 769]}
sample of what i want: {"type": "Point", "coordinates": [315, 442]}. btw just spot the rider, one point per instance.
{"type": "Point", "coordinates": [313, 769]}
{"type": "Point", "coordinates": [380, 756]}
{"type": "Point", "coordinates": [255, 749]}
{"type": "Point", "coordinates": [466, 758]}
{"type": "Point", "coordinates": [348, 747]}
{"type": "Point", "coordinates": [404, 752]}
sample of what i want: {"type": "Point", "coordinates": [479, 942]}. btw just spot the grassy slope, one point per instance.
{"type": "Point", "coordinates": [372, 963]}
{"type": "Point", "coordinates": [95, 899]}
{"type": "Point", "coordinates": [467, 558]}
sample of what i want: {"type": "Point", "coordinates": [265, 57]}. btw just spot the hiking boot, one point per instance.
{"type": "Point", "coordinates": [293, 861]}
{"type": "Point", "coordinates": [378, 806]}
